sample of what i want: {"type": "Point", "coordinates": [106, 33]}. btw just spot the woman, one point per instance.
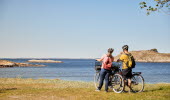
{"type": "Point", "coordinates": [105, 72]}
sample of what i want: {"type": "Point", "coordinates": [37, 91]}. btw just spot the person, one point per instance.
{"type": "Point", "coordinates": [126, 70]}
{"type": "Point", "coordinates": [105, 72]}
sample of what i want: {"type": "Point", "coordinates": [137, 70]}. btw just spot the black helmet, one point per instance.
{"type": "Point", "coordinates": [110, 50]}
{"type": "Point", "coordinates": [125, 47]}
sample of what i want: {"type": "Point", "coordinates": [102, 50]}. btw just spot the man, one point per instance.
{"type": "Point", "coordinates": [126, 69]}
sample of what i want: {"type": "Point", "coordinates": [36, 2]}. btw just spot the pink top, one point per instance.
{"type": "Point", "coordinates": [104, 58]}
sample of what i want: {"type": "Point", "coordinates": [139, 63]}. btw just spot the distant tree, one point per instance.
{"type": "Point", "coordinates": [154, 50]}
{"type": "Point", "coordinates": [160, 6]}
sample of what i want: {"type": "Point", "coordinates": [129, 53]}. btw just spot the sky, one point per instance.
{"type": "Point", "coordinates": [78, 28]}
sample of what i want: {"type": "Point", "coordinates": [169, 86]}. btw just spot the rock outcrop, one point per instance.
{"type": "Point", "coordinates": [149, 56]}
{"type": "Point", "coordinates": [44, 61]}
{"type": "Point", "coordinates": [6, 63]}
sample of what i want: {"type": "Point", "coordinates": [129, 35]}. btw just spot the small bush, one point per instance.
{"type": "Point", "coordinates": [155, 50]}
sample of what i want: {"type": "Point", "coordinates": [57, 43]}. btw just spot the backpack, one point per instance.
{"type": "Point", "coordinates": [106, 64]}
{"type": "Point", "coordinates": [131, 61]}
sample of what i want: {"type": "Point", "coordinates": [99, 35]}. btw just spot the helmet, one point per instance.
{"type": "Point", "coordinates": [110, 50]}
{"type": "Point", "coordinates": [125, 47]}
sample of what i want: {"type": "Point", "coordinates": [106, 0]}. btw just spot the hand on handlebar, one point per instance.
{"type": "Point", "coordinates": [98, 60]}
{"type": "Point", "coordinates": [118, 60]}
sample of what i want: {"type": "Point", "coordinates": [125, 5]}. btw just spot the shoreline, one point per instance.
{"type": "Point", "coordinates": [66, 80]}
{"type": "Point", "coordinates": [150, 62]}
{"type": "Point", "coordinates": [80, 59]}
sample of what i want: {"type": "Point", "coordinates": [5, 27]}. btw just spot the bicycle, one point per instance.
{"type": "Point", "coordinates": [116, 81]}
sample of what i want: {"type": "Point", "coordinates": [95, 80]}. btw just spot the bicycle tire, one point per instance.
{"type": "Point", "coordinates": [119, 81]}
{"type": "Point", "coordinates": [96, 79]}
{"type": "Point", "coordinates": [139, 86]}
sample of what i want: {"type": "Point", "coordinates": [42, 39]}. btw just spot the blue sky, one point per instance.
{"type": "Point", "coordinates": [78, 28]}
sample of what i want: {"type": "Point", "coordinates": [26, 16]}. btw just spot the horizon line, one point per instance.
{"type": "Point", "coordinates": [42, 58]}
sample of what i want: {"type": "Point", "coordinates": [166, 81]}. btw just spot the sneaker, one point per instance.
{"type": "Point", "coordinates": [106, 91]}
{"type": "Point", "coordinates": [131, 91]}
{"type": "Point", "coordinates": [97, 90]}
{"type": "Point", "coordinates": [125, 91]}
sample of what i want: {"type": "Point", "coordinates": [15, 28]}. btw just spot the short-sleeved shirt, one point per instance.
{"type": "Point", "coordinates": [104, 58]}
{"type": "Point", "coordinates": [124, 58]}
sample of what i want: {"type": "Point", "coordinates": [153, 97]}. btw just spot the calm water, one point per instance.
{"type": "Point", "coordinates": [82, 70]}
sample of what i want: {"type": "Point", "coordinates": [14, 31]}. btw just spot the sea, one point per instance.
{"type": "Point", "coordinates": [81, 70]}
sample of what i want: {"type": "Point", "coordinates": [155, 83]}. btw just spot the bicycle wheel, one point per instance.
{"type": "Point", "coordinates": [117, 83]}
{"type": "Point", "coordinates": [96, 79]}
{"type": "Point", "coordinates": [137, 83]}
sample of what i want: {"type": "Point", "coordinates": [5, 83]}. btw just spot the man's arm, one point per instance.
{"type": "Point", "coordinates": [121, 58]}
{"type": "Point", "coordinates": [112, 59]}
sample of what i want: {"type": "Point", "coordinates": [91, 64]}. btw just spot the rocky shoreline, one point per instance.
{"type": "Point", "coordinates": [149, 56]}
{"type": "Point", "coordinates": [7, 63]}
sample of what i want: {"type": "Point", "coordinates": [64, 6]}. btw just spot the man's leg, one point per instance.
{"type": "Point", "coordinates": [129, 83]}
{"type": "Point", "coordinates": [124, 72]}
{"type": "Point", "coordinates": [129, 79]}
{"type": "Point", "coordinates": [102, 76]}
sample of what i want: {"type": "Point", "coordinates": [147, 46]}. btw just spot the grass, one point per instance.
{"type": "Point", "coordinates": [46, 89]}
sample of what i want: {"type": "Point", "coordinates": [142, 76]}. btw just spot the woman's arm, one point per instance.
{"type": "Point", "coordinates": [99, 59]}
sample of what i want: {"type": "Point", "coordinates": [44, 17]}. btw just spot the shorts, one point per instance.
{"type": "Point", "coordinates": [127, 73]}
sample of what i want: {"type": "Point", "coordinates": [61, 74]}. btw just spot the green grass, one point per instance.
{"type": "Point", "coordinates": [46, 89]}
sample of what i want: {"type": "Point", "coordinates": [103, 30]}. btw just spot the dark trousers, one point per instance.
{"type": "Point", "coordinates": [104, 74]}
{"type": "Point", "coordinates": [127, 73]}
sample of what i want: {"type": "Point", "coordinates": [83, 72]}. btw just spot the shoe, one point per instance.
{"type": "Point", "coordinates": [97, 90]}
{"type": "Point", "coordinates": [125, 91]}
{"type": "Point", "coordinates": [106, 91]}
{"type": "Point", "coordinates": [131, 91]}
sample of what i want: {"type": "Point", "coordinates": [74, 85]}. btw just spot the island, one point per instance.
{"type": "Point", "coordinates": [7, 63]}
{"type": "Point", "coordinates": [149, 56]}
{"type": "Point", "coordinates": [44, 61]}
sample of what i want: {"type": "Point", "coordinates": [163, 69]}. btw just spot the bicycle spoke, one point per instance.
{"type": "Point", "coordinates": [137, 83]}
{"type": "Point", "coordinates": [96, 80]}
{"type": "Point", "coordinates": [117, 83]}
